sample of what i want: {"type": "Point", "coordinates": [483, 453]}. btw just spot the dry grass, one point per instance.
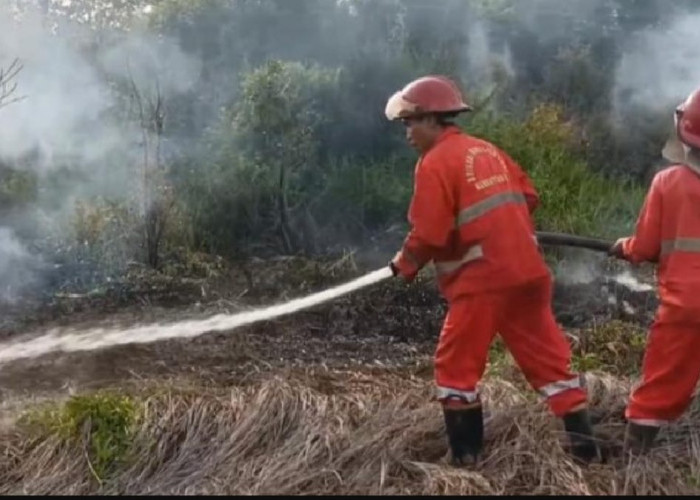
{"type": "Point", "coordinates": [242, 420]}
{"type": "Point", "coordinates": [324, 432]}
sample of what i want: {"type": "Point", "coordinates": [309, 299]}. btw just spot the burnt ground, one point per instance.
{"type": "Point", "coordinates": [391, 325]}
{"type": "Point", "coordinates": [334, 400]}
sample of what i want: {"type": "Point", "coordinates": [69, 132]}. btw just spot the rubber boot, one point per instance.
{"type": "Point", "coordinates": [639, 439]}
{"type": "Point", "coordinates": [578, 427]}
{"type": "Point", "coordinates": [465, 434]}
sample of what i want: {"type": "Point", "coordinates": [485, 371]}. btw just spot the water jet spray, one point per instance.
{"type": "Point", "coordinates": [97, 338]}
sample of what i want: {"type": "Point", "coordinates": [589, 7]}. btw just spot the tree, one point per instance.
{"type": "Point", "coordinates": [8, 85]}
{"type": "Point", "coordinates": [154, 203]}
{"type": "Point", "coordinates": [278, 120]}
{"type": "Point", "coordinates": [98, 14]}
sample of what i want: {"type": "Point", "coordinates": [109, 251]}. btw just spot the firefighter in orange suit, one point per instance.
{"type": "Point", "coordinates": [471, 216]}
{"type": "Point", "coordinates": [668, 233]}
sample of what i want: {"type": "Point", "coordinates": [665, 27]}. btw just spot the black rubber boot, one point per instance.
{"type": "Point", "coordinates": [465, 434]}
{"type": "Point", "coordinates": [639, 439]}
{"type": "Point", "coordinates": [578, 427]}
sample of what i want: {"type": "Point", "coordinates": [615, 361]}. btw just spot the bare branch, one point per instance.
{"type": "Point", "coordinates": [136, 94]}
{"type": "Point", "coordinates": [7, 85]}
{"type": "Point", "coordinates": [155, 204]}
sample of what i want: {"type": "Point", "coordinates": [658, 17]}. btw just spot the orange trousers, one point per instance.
{"type": "Point", "coordinates": [670, 370]}
{"type": "Point", "coordinates": [524, 318]}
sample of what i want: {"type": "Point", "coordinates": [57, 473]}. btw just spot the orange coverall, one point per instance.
{"type": "Point", "coordinates": [471, 215]}
{"type": "Point", "coordinates": [668, 232]}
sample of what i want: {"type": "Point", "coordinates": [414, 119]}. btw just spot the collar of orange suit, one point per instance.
{"type": "Point", "coordinates": [673, 151]}
{"type": "Point", "coordinates": [448, 131]}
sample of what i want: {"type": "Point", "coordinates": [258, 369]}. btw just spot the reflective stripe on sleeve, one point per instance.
{"type": "Point", "coordinates": [680, 245]}
{"type": "Point", "coordinates": [470, 214]}
{"type": "Point", "coordinates": [446, 267]}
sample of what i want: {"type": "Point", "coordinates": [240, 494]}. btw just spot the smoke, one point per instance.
{"type": "Point", "coordinates": [575, 272]}
{"type": "Point", "coordinates": [556, 20]}
{"type": "Point", "coordinates": [660, 67]}
{"type": "Point", "coordinates": [19, 268]}
{"type": "Point", "coordinates": [77, 126]}
{"type": "Point", "coordinates": [62, 94]}
{"type": "Point", "coordinates": [79, 117]}
{"type": "Point", "coordinates": [486, 65]}
{"type": "Point", "coordinates": [577, 267]}
{"type": "Point", "coordinates": [67, 95]}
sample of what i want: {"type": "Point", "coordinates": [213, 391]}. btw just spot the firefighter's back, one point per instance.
{"type": "Point", "coordinates": [679, 260]}
{"type": "Point", "coordinates": [494, 245]}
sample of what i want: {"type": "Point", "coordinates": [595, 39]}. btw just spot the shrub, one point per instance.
{"type": "Point", "coordinates": [574, 198]}
{"type": "Point", "coordinates": [106, 419]}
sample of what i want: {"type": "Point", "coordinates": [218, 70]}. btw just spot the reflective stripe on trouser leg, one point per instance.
{"type": "Point", "coordinates": [560, 386]}
{"type": "Point", "coordinates": [670, 373]}
{"type": "Point", "coordinates": [648, 422]}
{"type": "Point", "coordinates": [539, 346]}
{"type": "Point", "coordinates": [447, 393]}
{"type": "Point", "coordinates": [463, 348]}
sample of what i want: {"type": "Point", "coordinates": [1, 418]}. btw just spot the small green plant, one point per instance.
{"type": "Point", "coordinates": [586, 362]}
{"type": "Point", "coordinates": [693, 480]}
{"type": "Point", "coordinates": [499, 358]}
{"type": "Point", "coordinates": [616, 347]}
{"type": "Point", "coordinates": [103, 422]}
{"type": "Point", "coordinates": [105, 231]}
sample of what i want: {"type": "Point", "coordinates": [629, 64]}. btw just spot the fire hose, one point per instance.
{"type": "Point", "coordinates": [569, 240]}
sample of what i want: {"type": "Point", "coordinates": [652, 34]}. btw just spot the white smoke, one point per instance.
{"type": "Point", "coordinates": [485, 62]}
{"type": "Point", "coordinates": [67, 94]}
{"type": "Point", "coordinates": [660, 67]}
{"type": "Point", "coordinates": [74, 115]}
{"type": "Point", "coordinates": [577, 267]}
{"type": "Point", "coordinates": [18, 267]}
{"type": "Point", "coordinates": [576, 272]}
{"type": "Point", "coordinates": [63, 96]}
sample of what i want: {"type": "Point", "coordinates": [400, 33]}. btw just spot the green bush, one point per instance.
{"type": "Point", "coordinates": [17, 188]}
{"type": "Point", "coordinates": [574, 199]}
{"type": "Point", "coordinates": [265, 176]}
{"type": "Point", "coordinates": [107, 420]}
{"type": "Point", "coordinates": [366, 196]}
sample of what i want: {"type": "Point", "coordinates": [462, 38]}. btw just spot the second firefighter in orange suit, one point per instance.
{"type": "Point", "coordinates": [668, 233]}
{"type": "Point", "coordinates": [471, 216]}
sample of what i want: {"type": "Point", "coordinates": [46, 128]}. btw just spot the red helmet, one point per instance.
{"type": "Point", "coordinates": [688, 120]}
{"type": "Point", "coordinates": [429, 94]}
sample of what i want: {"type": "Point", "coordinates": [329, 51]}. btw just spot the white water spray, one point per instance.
{"type": "Point", "coordinates": [627, 280]}
{"type": "Point", "coordinates": [96, 338]}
